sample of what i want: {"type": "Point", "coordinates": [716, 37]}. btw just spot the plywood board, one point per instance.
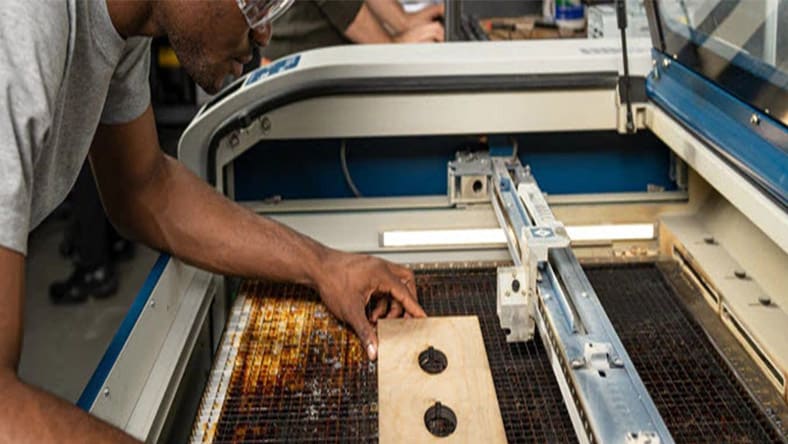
{"type": "Point", "coordinates": [405, 391]}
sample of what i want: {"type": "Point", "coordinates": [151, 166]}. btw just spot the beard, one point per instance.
{"type": "Point", "coordinates": [193, 59]}
{"type": "Point", "coordinates": [189, 38]}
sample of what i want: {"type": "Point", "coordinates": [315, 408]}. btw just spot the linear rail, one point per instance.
{"type": "Point", "coordinates": [606, 399]}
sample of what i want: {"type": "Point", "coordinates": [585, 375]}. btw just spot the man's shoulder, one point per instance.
{"type": "Point", "coordinates": [48, 15]}
{"type": "Point", "coordinates": [37, 27]}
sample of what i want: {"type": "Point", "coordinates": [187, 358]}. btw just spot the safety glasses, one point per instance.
{"type": "Point", "coordinates": [259, 13]}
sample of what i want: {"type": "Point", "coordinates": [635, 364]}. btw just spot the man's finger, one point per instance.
{"type": "Point", "coordinates": [381, 307]}
{"type": "Point", "coordinates": [365, 333]}
{"type": "Point", "coordinates": [401, 293]}
{"type": "Point", "coordinates": [439, 32]}
{"type": "Point", "coordinates": [405, 276]}
{"type": "Point", "coordinates": [396, 309]}
{"type": "Point", "coordinates": [434, 12]}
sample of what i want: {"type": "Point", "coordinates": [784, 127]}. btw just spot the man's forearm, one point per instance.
{"type": "Point", "coordinates": [366, 28]}
{"type": "Point", "coordinates": [390, 13]}
{"type": "Point", "coordinates": [179, 213]}
{"type": "Point", "coordinates": [29, 415]}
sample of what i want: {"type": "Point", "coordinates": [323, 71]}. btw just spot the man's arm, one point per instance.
{"type": "Point", "coordinates": [366, 28]}
{"type": "Point", "coordinates": [394, 17]}
{"type": "Point", "coordinates": [153, 198]}
{"type": "Point", "coordinates": [27, 414]}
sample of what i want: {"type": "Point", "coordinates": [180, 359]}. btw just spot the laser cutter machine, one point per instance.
{"type": "Point", "coordinates": [617, 225]}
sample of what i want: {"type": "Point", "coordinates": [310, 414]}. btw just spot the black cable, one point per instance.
{"type": "Point", "coordinates": [621, 16]}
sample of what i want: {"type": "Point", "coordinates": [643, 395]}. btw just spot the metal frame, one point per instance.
{"type": "Point", "coordinates": [536, 82]}
{"type": "Point", "coordinates": [136, 382]}
{"type": "Point", "coordinates": [763, 211]}
{"type": "Point", "coordinates": [752, 142]}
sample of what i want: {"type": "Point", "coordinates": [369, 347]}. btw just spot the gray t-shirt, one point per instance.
{"type": "Point", "coordinates": [63, 69]}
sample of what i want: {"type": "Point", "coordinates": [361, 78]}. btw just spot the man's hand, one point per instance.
{"type": "Point", "coordinates": [425, 16]}
{"type": "Point", "coordinates": [348, 283]}
{"type": "Point", "coordinates": [426, 33]}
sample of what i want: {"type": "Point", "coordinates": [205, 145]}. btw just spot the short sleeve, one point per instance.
{"type": "Point", "coordinates": [129, 90]}
{"type": "Point", "coordinates": [340, 13]}
{"type": "Point", "coordinates": [32, 60]}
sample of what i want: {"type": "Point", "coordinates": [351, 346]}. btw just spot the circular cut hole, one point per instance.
{"type": "Point", "coordinates": [433, 361]}
{"type": "Point", "coordinates": [440, 420]}
{"type": "Point", "coordinates": [477, 186]}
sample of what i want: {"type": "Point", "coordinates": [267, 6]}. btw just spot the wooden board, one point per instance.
{"type": "Point", "coordinates": [405, 391]}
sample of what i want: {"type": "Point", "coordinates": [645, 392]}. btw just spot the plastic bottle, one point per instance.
{"type": "Point", "coordinates": [570, 14]}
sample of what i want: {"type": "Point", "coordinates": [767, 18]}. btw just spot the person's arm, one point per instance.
{"type": "Point", "coordinates": [366, 28]}
{"type": "Point", "coordinates": [153, 198]}
{"type": "Point", "coordinates": [394, 17]}
{"type": "Point", "coordinates": [28, 414]}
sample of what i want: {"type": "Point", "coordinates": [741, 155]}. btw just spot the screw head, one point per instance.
{"type": "Point", "coordinates": [265, 124]}
{"type": "Point", "coordinates": [234, 140]}
{"type": "Point", "coordinates": [106, 392]}
{"type": "Point", "coordinates": [755, 120]}
{"type": "Point", "coordinates": [710, 240]}
{"type": "Point", "coordinates": [765, 300]}
{"type": "Point", "coordinates": [665, 62]}
{"type": "Point", "coordinates": [740, 274]}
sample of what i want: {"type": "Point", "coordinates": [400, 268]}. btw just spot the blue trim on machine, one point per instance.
{"type": "Point", "coordinates": [749, 140]}
{"type": "Point", "coordinates": [276, 67]}
{"type": "Point", "coordinates": [119, 340]}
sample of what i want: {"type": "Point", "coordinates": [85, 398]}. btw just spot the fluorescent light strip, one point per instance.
{"type": "Point", "coordinates": [612, 232]}
{"type": "Point", "coordinates": [432, 238]}
{"type": "Point", "coordinates": [495, 236]}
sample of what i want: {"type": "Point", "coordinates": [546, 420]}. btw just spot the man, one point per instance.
{"type": "Point", "coordinates": [312, 24]}
{"type": "Point", "coordinates": [73, 77]}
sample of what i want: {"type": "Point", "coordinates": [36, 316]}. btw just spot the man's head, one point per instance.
{"type": "Point", "coordinates": [214, 38]}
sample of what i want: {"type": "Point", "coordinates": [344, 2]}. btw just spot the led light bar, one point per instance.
{"type": "Point", "coordinates": [495, 236]}
{"type": "Point", "coordinates": [449, 237]}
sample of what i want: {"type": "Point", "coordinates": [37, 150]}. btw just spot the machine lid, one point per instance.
{"type": "Point", "coordinates": [740, 45]}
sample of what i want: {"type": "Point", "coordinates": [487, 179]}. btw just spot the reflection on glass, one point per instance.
{"type": "Point", "coordinates": [741, 45]}
{"type": "Point", "coordinates": [757, 29]}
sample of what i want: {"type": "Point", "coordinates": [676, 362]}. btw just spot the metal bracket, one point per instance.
{"type": "Point", "coordinates": [468, 178]}
{"type": "Point", "coordinates": [515, 304]}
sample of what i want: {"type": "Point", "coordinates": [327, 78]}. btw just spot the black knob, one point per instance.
{"type": "Point", "coordinates": [440, 420]}
{"type": "Point", "coordinates": [432, 360]}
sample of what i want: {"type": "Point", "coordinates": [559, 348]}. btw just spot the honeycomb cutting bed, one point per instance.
{"type": "Point", "coordinates": [288, 372]}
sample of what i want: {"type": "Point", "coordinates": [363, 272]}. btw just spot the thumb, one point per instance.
{"type": "Point", "coordinates": [366, 333]}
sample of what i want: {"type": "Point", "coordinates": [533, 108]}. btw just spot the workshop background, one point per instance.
{"type": "Point", "coordinates": [63, 344]}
